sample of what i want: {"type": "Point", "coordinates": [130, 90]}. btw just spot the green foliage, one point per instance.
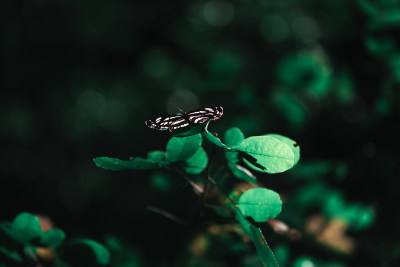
{"type": "Point", "coordinates": [270, 154]}
{"type": "Point", "coordinates": [260, 203]}
{"type": "Point", "coordinates": [23, 241]}
{"type": "Point", "coordinates": [182, 148]}
{"type": "Point", "coordinates": [185, 155]}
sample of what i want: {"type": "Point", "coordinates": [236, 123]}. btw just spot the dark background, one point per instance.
{"type": "Point", "coordinates": [81, 77]}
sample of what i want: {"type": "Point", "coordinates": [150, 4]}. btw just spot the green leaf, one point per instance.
{"type": "Point", "coordinates": [26, 227]}
{"type": "Point", "coordinates": [242, 173]}
{"type": "Point", "coordinates": [7, 236]}
{"type": "Point", "coordinates": [196, 163]}
{"type": "Point", "coordinates": [157, 155]}
{"type": "Point", "coordinates": [85, 252]}
{"type": "Point", "coordinates": [291, 143]}
{"type": "Point", "coordinates": [9, 255]}
{"type": "Point", "coordinates": [260, 203]}
{"type": "Point", "coordinates": [52, 238]}
{"type": "Point", "coordinates": [182, 148]}
{"type": "Point", "coordinates": [270, 153]}
{"type": "Point", "coordinates": [114, 164]}
{"type": "Point", "coordinates": [215, 140]}
{"type": "Point", "coordinates": [255, 234]}
{"type": "Point", "coordinates": [263, 250]}
{"type": "Point", "coordinates": [233, 137]}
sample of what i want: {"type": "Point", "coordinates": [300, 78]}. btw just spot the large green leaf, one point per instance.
{"type": "Point", "coordinates": [291, 143]}
{"type": "Point", "coordinates": [242, 173]}
{"type": "Point", "coordinates": [85, 252]}
{"type": "Point", "coordinates": [270, 154]}
{"type": "Point", "coordinates": [260, 203]}
{"type": "Point", "coordinates": [26, 227]}
{"type": "Point", "coordinates": [196, 163]}
{"type": "Point", "coordinates": [114, 164]}
{"type": "Point", "coordinates": [182, 148]}
{"type": "Point", "coordinates": [233, 137]}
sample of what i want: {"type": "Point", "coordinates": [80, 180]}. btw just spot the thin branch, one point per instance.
{"type": "Point", "coordinates": [167, 215]}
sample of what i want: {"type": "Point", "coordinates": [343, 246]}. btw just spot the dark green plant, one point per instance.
{"type": "Point", "coordinates": [223, 167]}
{"type": "Point", "coordinates": [29, 241]}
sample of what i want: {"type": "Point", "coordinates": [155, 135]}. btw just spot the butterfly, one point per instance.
{"type": "Point", "coordinates": [185, 119]}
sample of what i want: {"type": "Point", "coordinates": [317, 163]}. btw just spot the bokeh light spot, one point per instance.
{"type": "Point", "coordinates": [306, 28]}
{"type": "Point", "coordinates": [218, 13]}
{"type": "Point", "coordinates": [274, 28]}
{"type": "Point", "coordinates": [184, 99]}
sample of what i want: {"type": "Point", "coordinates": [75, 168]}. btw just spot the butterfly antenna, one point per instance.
{"type": "Point", "coordinates": [176, 107]}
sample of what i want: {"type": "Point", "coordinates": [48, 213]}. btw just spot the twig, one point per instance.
{"type": "Point", "coordinates": [167, 214]}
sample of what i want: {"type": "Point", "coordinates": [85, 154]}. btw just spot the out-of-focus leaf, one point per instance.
{"type": "Point", "coordinates": [233, 137]}
{"type": "Point", "coordinates": [122, 255]}
{"type": "Point", "coordinates": [115, 164]}
{"type": "Point", "coordinates": [85, 252]}
{"type": "Point", "coordinates": [9, 255]}
{"type": "Point", "coordinates": [281, 253]}
{"type": "Point", "coordinates": [157, 155]}
{"type": "Point", "coordinates": [273, 155]}
{"type": "Point", "coordinates": [260, 203]}
{"type": "Point", "coordinates": [242, 173]}
{"type": "Point", "coordinates": [182, 148]}
{"type": "Point", "coordinates": [52, 238]}
{"type": "Point", "coordinates": [196, 163]}
{"type": "Point", "coordinates": [161, 181]}
{"type": "Point", "coordinates": [26, 227]}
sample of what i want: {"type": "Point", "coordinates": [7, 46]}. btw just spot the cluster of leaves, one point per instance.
{"type": "Point", "coordinates": [30, 241]}
{"type": "Point", "coordinates": [271, 153]}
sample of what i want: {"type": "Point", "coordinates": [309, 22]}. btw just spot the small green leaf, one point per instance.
{"type": "Point", "coordinates": [269, 153]}
{"type": "Point", "coordinates": [85, 252]}
{"type": "Point", "coordinates": [114, 164]}
{"type": "Point", "coordinates": [26, 227]}
{"type": "Point", "coordinates": [157, 155]}
{"type": "Point", "coordinates": [215, 140]}
{"type": "Point", "coordinates": [7, 236]}
{"type": "Point", "coordinates": [233, 137]}
{"type": "Point", "coordinates": [52, 238]}
{"type": "Point", "coordinates": [242, 173]}
{"type": "Point", "coordinates": [197, 163]}
{"type": "Point", "coordinates": [260, 203]}
{"type": "Point", "coordinates": [182, 148]}
{"type": "Point", "coordinates": [9, 255]}
{"type": "Point", "coordinates": [291, 143]}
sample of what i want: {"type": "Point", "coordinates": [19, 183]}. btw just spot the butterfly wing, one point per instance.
{"type": "Point", "coordinates": [198, 116]}
{"type": "Point", "coordinates": [202, 115]}
{"type": "Point", "coordinates": [167, 123]}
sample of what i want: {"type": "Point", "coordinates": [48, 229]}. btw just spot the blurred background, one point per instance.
{"type": "Point", "coordinates": [81, 77]}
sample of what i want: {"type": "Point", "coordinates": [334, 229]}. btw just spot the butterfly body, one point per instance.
{"type": "Point", "coordinates": [185, 119]}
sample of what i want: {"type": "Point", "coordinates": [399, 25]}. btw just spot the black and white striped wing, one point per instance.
{"type": "Point", "coordinates": [202, 115]}
{"type": "Point", "coordinates": [167, 123]}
